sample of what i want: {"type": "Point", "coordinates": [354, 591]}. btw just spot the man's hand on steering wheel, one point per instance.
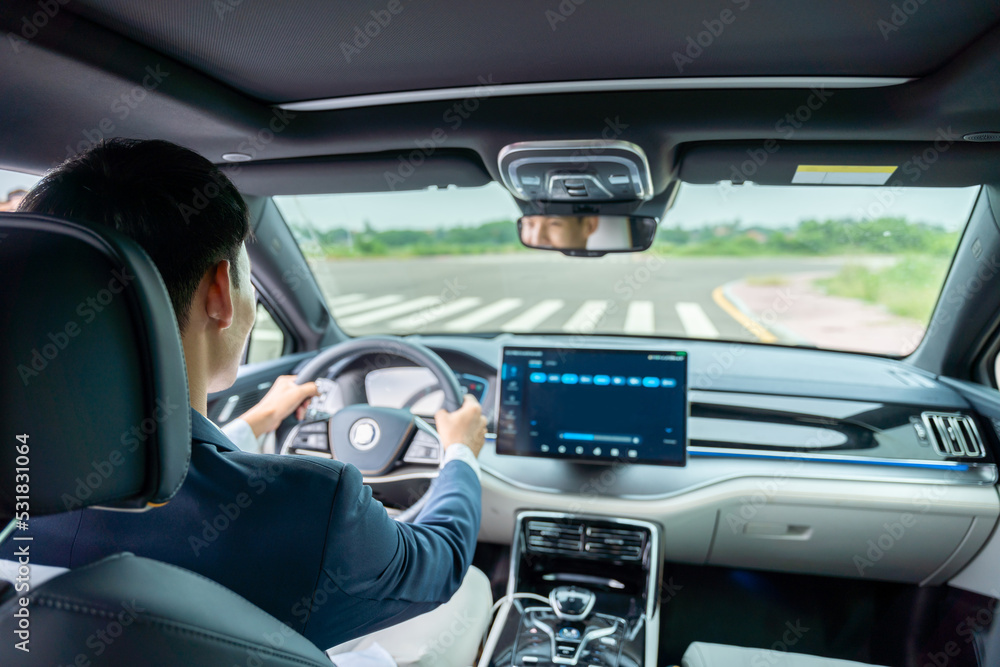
{"type": "Point", "coordinates": [467, 425]}
{"type": "Point", "coordinates": [282, 399]}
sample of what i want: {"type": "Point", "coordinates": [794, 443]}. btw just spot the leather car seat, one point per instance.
{"type": "Point", "coordinates": [91, 362]}
{"type": "Point", "coordinates": [701, 654]}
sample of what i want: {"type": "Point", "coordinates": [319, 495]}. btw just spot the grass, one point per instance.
{"type": "Point", "coordinates": [909, 288]}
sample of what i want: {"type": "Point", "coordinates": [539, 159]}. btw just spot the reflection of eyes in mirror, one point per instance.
{"type": "Point", "coordinates": [606, 233]}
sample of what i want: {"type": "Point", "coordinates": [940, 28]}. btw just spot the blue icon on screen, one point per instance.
{"type": "Point", "coordinates": [602, 379]}
{"type": "Point", "coordinates": [618, 380]}
{"type": "Point", "coordinates": [650, 382]}
{"type": "Point", "coordinates": [668, 382]}
{"type": "Point", "coordinates": [634, 381]}
{"type": "Point", "coordinates": [537, 377]}
{"type": "Point", "coordinates": [586, 379]}
{"type": "Point", "coordinates": [553, 377]}
{"type": "Point", "coordinates": [570, 378]}
{"type": "Point", "coordinates": [534, 363]}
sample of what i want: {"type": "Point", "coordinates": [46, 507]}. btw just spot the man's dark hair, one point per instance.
{"type": "Point", "coordinates": [183, 211]}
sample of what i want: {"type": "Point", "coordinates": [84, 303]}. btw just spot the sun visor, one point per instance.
{"type": "Point", "coordinates": [948, 161]}
{"type": "Point", "coordinates": [380, 172]}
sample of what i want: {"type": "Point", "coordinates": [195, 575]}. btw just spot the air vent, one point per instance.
{"type": "Point", "coordinates": [953, 434]}
{"type": "Point", "coordinates": [576, 538]}
{"type": "Point", "coordinates": [615, 543]}
{"type": "Point", "coordinates": [553, 537]}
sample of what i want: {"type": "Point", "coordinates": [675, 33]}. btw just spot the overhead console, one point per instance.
{"type": "Point", "coordinates": [576, 171]}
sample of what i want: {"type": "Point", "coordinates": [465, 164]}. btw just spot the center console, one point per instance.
{"type": "Point", "coordinates": [583, 590]}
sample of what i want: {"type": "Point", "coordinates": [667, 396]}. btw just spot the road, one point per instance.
{"type": "Point", "coordinates": [545, 292]}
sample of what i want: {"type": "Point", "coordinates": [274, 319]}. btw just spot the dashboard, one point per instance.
{"type": "Point", "coordinates": [406, 387]}
{"type": "Point", "coordinates": [797, 460]}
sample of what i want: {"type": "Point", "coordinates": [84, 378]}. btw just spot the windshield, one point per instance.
{"type": "Point", "coordinates": [845, 268]}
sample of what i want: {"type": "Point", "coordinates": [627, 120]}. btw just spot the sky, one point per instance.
{"type": "Point", "coordinates": [694, 206]}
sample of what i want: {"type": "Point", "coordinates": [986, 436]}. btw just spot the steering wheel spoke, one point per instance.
{"type": "Point", "coordinates": [425, 447]}
{"type": "Point", "coordinates": [374, 439]}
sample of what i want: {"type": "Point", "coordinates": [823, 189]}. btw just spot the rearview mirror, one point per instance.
{"type": "Point", "coordinates": [586, 235]}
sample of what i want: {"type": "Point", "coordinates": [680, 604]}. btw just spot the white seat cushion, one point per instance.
{"type": "Point", "coordinates": [700, 654]}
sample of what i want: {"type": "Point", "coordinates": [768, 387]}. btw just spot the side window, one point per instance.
{"type": "Point", "coordinates": [13, 186]}
{"type": "Point", "coordinates": [267, 340]}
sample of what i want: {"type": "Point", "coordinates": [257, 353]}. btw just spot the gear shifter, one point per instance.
{"type": "Point", "coordinates": [571, 603]}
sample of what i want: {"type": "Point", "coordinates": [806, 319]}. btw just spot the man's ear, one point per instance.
{"type": "Point", "coordinates": [590, 224]}
{"type": "Point", "coordinates": [219, 303]}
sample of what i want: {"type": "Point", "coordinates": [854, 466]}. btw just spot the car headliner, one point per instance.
{"type": "Point", "coordinates": [209, 76]}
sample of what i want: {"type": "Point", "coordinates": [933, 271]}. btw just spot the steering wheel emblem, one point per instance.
{"type": "Point", "coordinates": [364, 434]}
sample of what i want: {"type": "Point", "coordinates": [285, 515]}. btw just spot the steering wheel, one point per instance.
{"type": "Point", "coordinates": [375, 438]}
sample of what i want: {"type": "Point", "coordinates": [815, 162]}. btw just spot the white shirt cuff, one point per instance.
{"type": "Point", "coordinates": [242, 436]}
{"type": "Point", "coordinates": [459, 452]}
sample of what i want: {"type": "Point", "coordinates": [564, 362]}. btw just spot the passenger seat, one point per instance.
{"type": "Point", "coordinates": [701, 654]}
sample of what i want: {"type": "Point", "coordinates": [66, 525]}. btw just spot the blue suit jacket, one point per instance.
{"type": "Point", "coordinates": [300, 537]}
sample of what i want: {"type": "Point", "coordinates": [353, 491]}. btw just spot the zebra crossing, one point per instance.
{"type": "Point", "coordinates": [395, 313]}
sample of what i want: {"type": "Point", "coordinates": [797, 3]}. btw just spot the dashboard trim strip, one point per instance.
{"type": "Point", "coordinates": [712, 452]}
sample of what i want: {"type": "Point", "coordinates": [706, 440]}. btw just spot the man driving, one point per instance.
{"type": "Point", "coordinates": [300, 537]}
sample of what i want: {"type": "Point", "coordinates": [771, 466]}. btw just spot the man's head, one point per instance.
{"type": "Point", "coordinates": [558, 231]}
{"type": "Point", "coordinates": [190, 219]}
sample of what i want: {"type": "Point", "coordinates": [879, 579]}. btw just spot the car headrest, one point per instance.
{"type": "Point", "coordinates": [94, 406]}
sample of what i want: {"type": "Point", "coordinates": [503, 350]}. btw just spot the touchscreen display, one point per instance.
{"type": "Point", "coordinates": [593, 405]}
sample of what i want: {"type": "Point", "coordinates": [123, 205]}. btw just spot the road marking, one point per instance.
{"type": "Point", "coordinates": [396, 310]}
{"type": "Point", "coordinates": [531, 318]}
{"type": "Point", "coordinates": [381, 301]}
{"type": "Point", "coordinates": [483, 315]}
{"type": "Point", "coordinates": [418, 321]}
{"type": "Point", "coordinates": [586, 319]}
{"type": "Point", "coordinates": [639, 318]}
{"type": "Point", "coordinates": [695, 321]}
{"type": "Point", "coordinates": [338, 301]}
{"type": "Point", "coordinates": [762, 334]}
